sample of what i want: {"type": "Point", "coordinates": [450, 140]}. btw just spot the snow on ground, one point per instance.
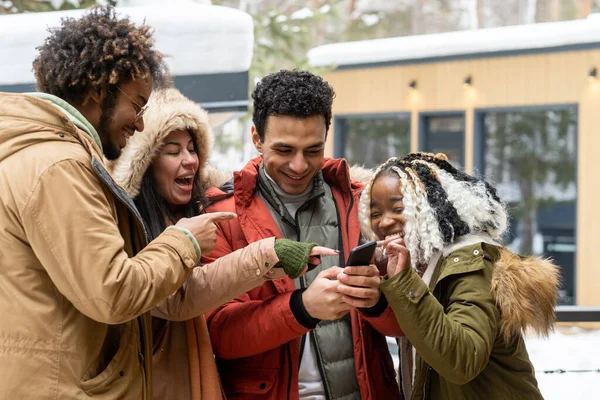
{"type": "Point", "coordinates": [566, 349]}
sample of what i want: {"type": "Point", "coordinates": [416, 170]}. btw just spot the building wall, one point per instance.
{"type": "Point", "coordinates": [509, 81]}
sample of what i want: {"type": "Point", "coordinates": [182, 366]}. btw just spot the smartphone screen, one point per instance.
{"type": "Point", "coordinates": [362, 255]}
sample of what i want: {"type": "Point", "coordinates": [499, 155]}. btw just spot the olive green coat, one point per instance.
{"type": "Point", "coordinates": [466, 325]}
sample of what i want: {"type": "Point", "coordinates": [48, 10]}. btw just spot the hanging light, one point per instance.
{"type": "Point", "coordinates": [593, 74]}
{"type": "Point", "coordinates": [468, 81]}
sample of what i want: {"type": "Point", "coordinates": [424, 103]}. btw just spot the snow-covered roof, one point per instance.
{"type": "Point", "coordinates": [461, 43]}
{"type": "Point", "coordinates": [197, 38]}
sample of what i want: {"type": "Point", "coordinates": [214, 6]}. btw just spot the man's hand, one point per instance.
{"type": "Point", "coordinates": [322, 299]}
{"type": "Point", "coordinates": [398, 257]}
{"type": "Point", "coordinates": [204, 229]}
{"type": "Point", "coordinates": [360, 286]}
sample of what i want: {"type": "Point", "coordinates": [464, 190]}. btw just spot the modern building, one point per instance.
{"type": "Point", "coordinates": [519, 104]}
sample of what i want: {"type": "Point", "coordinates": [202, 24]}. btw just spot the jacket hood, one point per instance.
{"type": "Point", "coordinates": [525, 288]}
{"type": "Point", "coordinates": [359, 175]}
{"type": "Point", "coordinates": [168, 110]}
{"type": "Point", "coordinates": [526, 292]}
{"type": "Point", "coordinates": [244, 181]}
{"type": "Point", "coordinates": [26, 120]}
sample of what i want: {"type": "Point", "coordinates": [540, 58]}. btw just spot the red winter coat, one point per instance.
{"type": "Point", "coordinates": [255, 337]}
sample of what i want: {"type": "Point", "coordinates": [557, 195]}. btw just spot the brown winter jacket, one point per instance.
{"type": "Point", "coordinates": [74, 282]}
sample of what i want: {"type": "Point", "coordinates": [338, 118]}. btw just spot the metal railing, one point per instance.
{"type": "Point", "coordinates": [578, 314]}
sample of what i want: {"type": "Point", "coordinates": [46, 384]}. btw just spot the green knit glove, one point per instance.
{"type": "Point", "coordinates": [293, 256]}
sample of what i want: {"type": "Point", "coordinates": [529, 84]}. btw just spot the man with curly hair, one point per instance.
{"type": "Point", "coordinates": [76, 276]}
{"type": "Point", "coordinates": [313, 337]}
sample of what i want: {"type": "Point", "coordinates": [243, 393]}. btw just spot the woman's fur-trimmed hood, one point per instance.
{"type": "Point", "coordinates": [525, 288]}
{"type": "Point", "coordinates": [168, 110]}
{"type": "Point", "coordinates": [526, 292]}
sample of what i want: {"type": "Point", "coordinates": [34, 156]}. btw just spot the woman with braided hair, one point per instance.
{"type": "Point", "coordinates": [461, 298]}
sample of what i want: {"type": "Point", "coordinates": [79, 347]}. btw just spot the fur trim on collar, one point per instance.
{"type": "Point", "coordinates": [525, 289]}
{"type": "Point", "coordinates": [526, 292]}
{"type": "Point", "coordinates": [361, 174]}
{"type": "Point", "coordinates": [214, 177]}
{"type": "Point", "coordinates": [168, 110]}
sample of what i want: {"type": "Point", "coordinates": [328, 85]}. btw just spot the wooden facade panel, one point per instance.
{"type": "Point", "coordinates": [555, 78]}
{"type": "Point", "coordinates": [588, 212]}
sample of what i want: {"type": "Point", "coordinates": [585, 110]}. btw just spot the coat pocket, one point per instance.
{"type": "Point", "coordinates": [250, 383]}
{"type": "Point", "coordinates": [122, 372]}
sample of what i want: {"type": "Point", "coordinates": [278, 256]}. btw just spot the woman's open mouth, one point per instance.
{"type": "Point", "coordinates": [395, 235]}
{"type": "Point", "coordinates": [185, 182]}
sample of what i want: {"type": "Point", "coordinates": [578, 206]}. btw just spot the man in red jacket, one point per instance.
{"type": "Point", "coordinates": [320, 336]}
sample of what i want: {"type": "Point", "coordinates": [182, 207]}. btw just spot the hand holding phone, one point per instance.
{"type": "Point", "coordinates": [359, 281]}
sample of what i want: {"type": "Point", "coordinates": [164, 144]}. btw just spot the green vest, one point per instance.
{"type": "Point", "coordinates": [317, 221]}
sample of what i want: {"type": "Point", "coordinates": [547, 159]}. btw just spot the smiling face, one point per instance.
{"type": "Point", "coordinates": [118, 120]}
{"type": "Point", "coordinates": [293, 150]}
{"type": "Point", "coordinates": [387, 207]}
{"type": "Point", "coordinates": [175, 167]}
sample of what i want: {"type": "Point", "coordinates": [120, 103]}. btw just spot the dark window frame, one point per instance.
{"type": "Point", "coordinates": [423, 128]}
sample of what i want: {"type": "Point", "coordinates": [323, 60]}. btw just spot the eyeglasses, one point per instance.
{"type": "Point", "coordinates": [141, 111]}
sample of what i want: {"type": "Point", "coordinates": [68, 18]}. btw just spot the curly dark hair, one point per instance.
{"type": "Point", "coordinates": [100, 48]}
{"type": "Point", "coordinates": [293, 93]}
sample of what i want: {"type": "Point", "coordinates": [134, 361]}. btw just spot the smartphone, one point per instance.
{"type": "Point", "coordinates": [362, 255]}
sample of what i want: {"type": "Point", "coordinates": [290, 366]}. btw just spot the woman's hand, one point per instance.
{"type": "Point", "coordinates": [398, 257]}
{"type": "Point", "coordinates": [314, 257]}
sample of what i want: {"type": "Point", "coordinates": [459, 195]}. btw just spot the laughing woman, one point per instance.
{"type": "Point", "coordinates": [462, 300]}
{"type": "Point", "coordinates": [164, 169]}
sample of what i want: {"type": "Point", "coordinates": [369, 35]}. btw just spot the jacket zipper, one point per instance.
{"type": "Point", "coordinates": [289, 394]}
{"type": "Point", "coordinates": [349, 207]}
{"type": "Point", "coordinates": [133, 214]}
{"type": "Point", "coordinates": [141, 357]}
{"type": "Point", "coordinates": [425, 384]}
{"type": "Point", "coordinates": [143, 367]}
{"type": "Point", "coordinates": [303, 338]}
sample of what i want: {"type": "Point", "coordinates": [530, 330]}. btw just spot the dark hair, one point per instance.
{"type": "Point", "coordinates": [293, 93]}
{"type": "Point", "coordinates": [458, 174]}
{"type": "Point", "coordinates": [451, 225]}
{"type": "Point", "coordinates": [154, 208]}
{"type": "Point", "coordinates": [97, 49]}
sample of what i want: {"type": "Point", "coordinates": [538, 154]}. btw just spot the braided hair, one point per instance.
{"type": "Point", "coordinates": [441, 204]}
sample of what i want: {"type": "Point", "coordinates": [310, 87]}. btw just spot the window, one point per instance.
{"type": "Point", "coordinates": [444, 134]}
{"type": "Point", "coordinates": [531, 158]}
{"type": "Point", "coordinates": [371, 139]}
